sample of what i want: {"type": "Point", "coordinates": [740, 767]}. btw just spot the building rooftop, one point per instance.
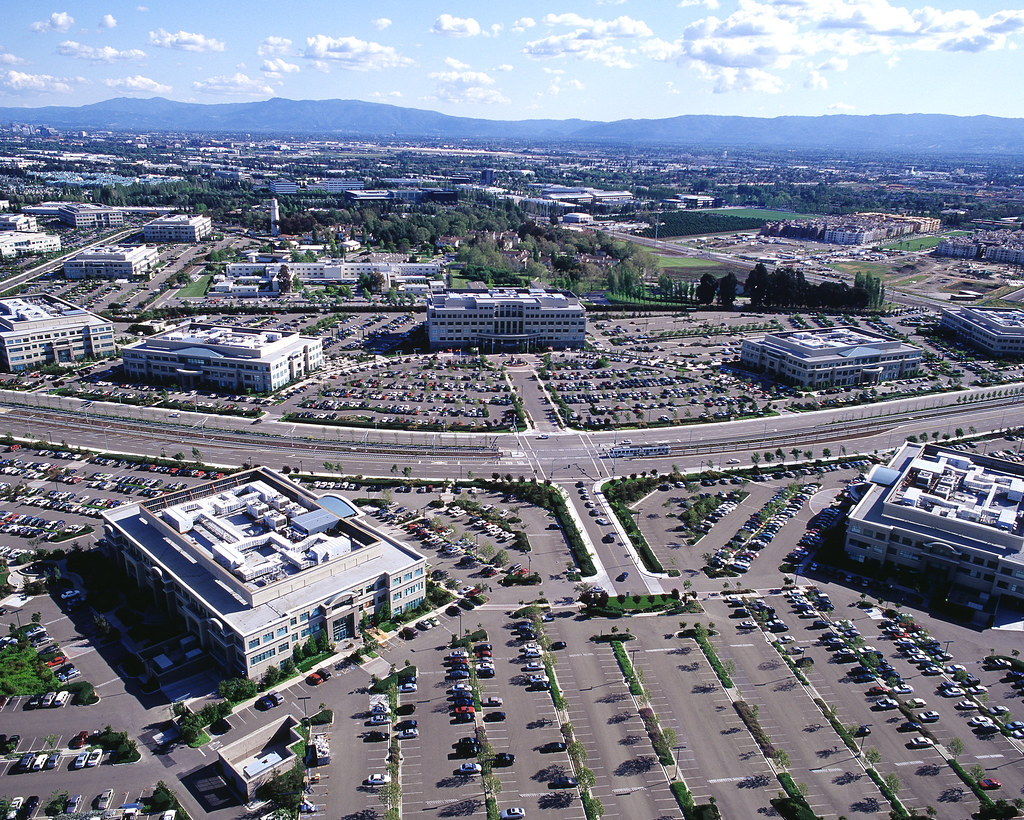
{"type": "Point", "coordinates": [1009, 318]}
{"type": "Point", "coordinates": [536, 296]}
{"type": "Point", "coordinates": [832, 338]}
{"type": "Point", "coordinates": [225, 336]}
{"type": "Point", "coordinates": [23, 309]}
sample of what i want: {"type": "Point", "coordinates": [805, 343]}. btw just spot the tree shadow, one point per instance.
{"type": "Point", "coordinates": [548, 773]}
{"type": "Point", "coordinates": [846, 778]}
{"type": "Point", "coordinates": [630, 740]}
{"type": "Point", "coordinates": [539, 723]}
{"type": "Point", "coordinates": [929, 770]}
{"type": "Point", "coordinates": [703, 689]}
{"type": "Point", "coordinates": [556, 800]}
{"type": "Point", "coordinates": [638, 765]}
{"type": "Point", "coordinates": [464, 808]}
{"type": "Point", "coordinates": [614, 697]}
{"type": "Point", "coordinates": [619, 717]}
{"type": "Point", "coordinates": [754, 781]}
{"type": "Point", "coordinates": [869, 805]}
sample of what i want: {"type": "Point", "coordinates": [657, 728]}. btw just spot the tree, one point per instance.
{"type": "Point", "coordinates": [706, 289]}
{"type": "Point", "coordinates": [956, 747]}
{"type": "Point", "coordinates": [781, 758]}
{"type": "Point", "coordinates": [727, 287]}
{"type": "Point", "coordinates": [892, 780]}
{"type": "Point", "coordinates": [872, 756]}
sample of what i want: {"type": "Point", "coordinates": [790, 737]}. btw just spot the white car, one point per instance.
{"type": "Point", "coordinates": [747, 625]}
{"type": "Point", "coordinates": [512, 814]}
{"type": "Point", "coordinates": [979, 722]}
{"type": "Point", "coordinates": [94, 758]}
{"type": "Point", "coordinates": [460, 687]}
{"type": "Point", "coordinates": [920, 742]}
{"type": "Point", "coordinates": [80, 761]}
{"type": "Point", "coordinates": [904, 689]}
{"type": "Point", "coordinates": [407, 688]}
{"type": "Point", "coordinates": [534, 666]}
{"type": "Point", "coordinates": [378, 778]}
{"type": "Point", "coordinates": [785, 639]}
{"type": "Point", "coordinates": [469, 768]}
{"type": "Point", "coordinates": [406, 734]}
{"type": "Point", "coordinates": [966, 705]}
{"type": "Point", "coordinates": [952, 692]}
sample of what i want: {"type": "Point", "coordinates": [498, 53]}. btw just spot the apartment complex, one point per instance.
{"type": "Point", "coordinates": [996, 331]}
{"type": "Point", "coordinates": [255, 566]}
{"type": "Point", "coordinates": [854, 229]}
{"type": "Point", "coordinates": [1003, 245]}
{"type": "Point", "coordinates": [80, 215]}
{"type": "Point", "coordinates": [232, 359]}
{"type": "Point", "coordinates": [505, 319]}
{"type": "Point", "coordinates": [954, 518]}
{"type": "Point", "coordinates": [830, 356]}
{"type": "Point", "coordinates": [40, 330]}
{"type": "Point", "coordinates": [179, 228]}
{"type": "Point", "coordinates": [112, 262]}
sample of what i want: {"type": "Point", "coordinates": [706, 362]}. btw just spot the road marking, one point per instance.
{"type": "Point", "coordinates": [987, 757]}
{"type": "Point", "coordinates": [728, 779]}
{"type": "Point", "coordinates": [630, 790]}
{"type": "Point", "coordinates": [739, 645]}
{"type": "Point", "coordinates": [909, 762]}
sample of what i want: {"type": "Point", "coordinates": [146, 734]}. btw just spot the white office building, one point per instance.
{"type": "Point", "coordinates": [18, 222]}
{"type": "Point", "coordinates": [81, 215]}
{"type": "Point", "coordinates": [112, 262]}
{"type": "Point", "coordinates": [178, 228]}
{"type": "Point", "coordinates": [505, 319]}
{"type": "Point", "coordinates": [838, 356]}
{"type": "Point", "coordinates": [953, 518]}
{"type": "Point", "coordinates": [41, 330]}
{"type": "Point", "coordinates": [231, 359]}
{"type": "Point", "coordinates": [20, 243]}
{"type": "Point", "coordinates": [996, 331]}
{"type": "Point", "coordinates": [256, 566]}
{"type": "Point", "coordinates": [244, 279]}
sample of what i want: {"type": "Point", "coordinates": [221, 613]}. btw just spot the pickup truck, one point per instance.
{"type": "Point", "coordinates": [493, 701]}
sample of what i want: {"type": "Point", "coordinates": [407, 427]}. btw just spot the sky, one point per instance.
{"type": "Point", "coordinates": [589, 59]}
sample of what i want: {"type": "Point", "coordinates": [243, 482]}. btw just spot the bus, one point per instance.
{"type": "Point", "coordinates": [639, 451]}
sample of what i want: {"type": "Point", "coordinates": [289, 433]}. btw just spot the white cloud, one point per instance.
{"type": "Point", "coordinates": [142, 9]}
{"type": "Point", "coordinates": [235, 84]}
{"type": "Point", "coordinates": [272, 46]}
{"type": "Point", "coordinates": [523, 23]}
{"type": "Point", "coordinates": [353, 53]}
{"type": "Point", "coordinates": [457, 65]}
{"type": "Point", "coordinates": [726, 79]}
{"type": "Point", "coordinates": [709, 4]}
{"type": "Point", "coordinates": [503, 67]}
{"type": "Point", "coordinates": [138, 83]}
{"type": "Point", "coordinates": [275, 67]}
{"type": "Point", "coordinates": [834, 64]}
{"type": "Point", "coordinates": [451, 26]}
{"type": "Point", "coordinates": [108, 21]}
{"type": "Point", "coordinates": [380, 23]}
{"type": "Point", "coordinates": [589, 39]}
{"type": "Point", "coordinates": [100, 54]}
{"type": "Point", "coordinates": [6, 58]}
{"type": "Point", "coordinates": [387, 95]}
{"type": "Point", "coordinates": [58, 21]}
{"type": "Point", "coordinates": [815, 81]}
{"type": "Point", "coordinates": [184, 41]}
{"type": "Point", "coordinates": [18, 81]}
{"type": "Point", "coordinates": [839, 106]}
{"type": "Point", "coordinates": [472, 87]}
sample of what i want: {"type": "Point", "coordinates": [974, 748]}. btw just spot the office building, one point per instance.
{"type": "Point", "coordinates": [19, 243]}
{"type": "Point", "coordinates": [996, 331]}
{"type": "Point", "coordinates": [112, 262]}
{"type": "Point", "coordinates": [18, 222]}
{"type": "Point", "coordinates": [178, 228]}
{"type": "Point", "coordinates": [505, 319]}
{"type": "Point", "coordinates": [252, 279]}
{"type": "Point", "coordinates": [80, 215]}
{"type": "Point", "coordinates": [283, 186]}
{"type": "Point", "coordinates": [953, 518]}
{"type": "Point", "coordinates": [232, 359]}
{"type": "Point", "coordinates": [41, 330]}
{"type": "Point", "coordinates": [838, 356]}
{"type": "Point", "coordinates": [256, 565]}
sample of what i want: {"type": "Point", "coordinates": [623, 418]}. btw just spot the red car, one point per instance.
{"type": "Point", "coordinates": [314, 679]}
{"type": "Point", "coordinates": [989, 783]}
{"type": "Point", "coordinates": [79, 740]}
{"type": "Point", "coordinates": [58, 660]}
{"type": "Point", "coordinates": [464, 710]}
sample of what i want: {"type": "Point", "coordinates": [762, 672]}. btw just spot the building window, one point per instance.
{"type": "Point", "coordinates": [255, 660]}
{"type": "Point", "coordinates": [254, 643]}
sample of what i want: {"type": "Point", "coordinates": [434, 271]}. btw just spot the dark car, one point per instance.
{"type": "Point", "coordinates": [405, 724]}
{"type": "Point", "coordinates": [269, 701]}
{"type": "Point", "coordinates": [562, 781]}
{"type": "Point", "coordinates": [494, 717]}
{"type": "Point", "coordinates": [862, 731]}
{"type": "Point", "coordinates": [558, 645]}
{"type": "Point", "coordinates": [553, 746]}
{"type": "Point", "coordinates": [33, 803]}
{"type": "Point", "coordinates": [453, 610]}
{"type": "Point", "coordinates": [504, 759]}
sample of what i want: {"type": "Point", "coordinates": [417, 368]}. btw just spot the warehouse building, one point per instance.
{"type": "Point", "coordinates": [838, 356]}
{"type": "Point", "coordinates": [41, 330]}
{"type": "Point", "coordinates": [232, 359]}
{"type": "Point", "coordinates": [255, 566]}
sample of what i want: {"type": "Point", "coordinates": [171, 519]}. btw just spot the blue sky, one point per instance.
{"type": "Point", "coordinates": [593, 59]}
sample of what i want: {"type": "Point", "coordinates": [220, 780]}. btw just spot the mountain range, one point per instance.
{"type": "Point", "coordinates": [918, 133]}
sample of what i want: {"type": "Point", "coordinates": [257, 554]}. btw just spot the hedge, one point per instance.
{"type": "Point", "coordinates": [898, 809]}
{"type": "Point", "coordinates": [750, 719]}
{"type": "Point", "coordinates": [712, 656]}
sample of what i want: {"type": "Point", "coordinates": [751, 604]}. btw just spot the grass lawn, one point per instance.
{"type": "Point", "coordinates": [853, 268]}
{"type": "Point", "coordinates": [668, 262]}
{"type": "Point", "coordinates": [921, 243]}
{"type": "Point", "coordinates": [19, 675]}
{"type": "Point", "coordinates": [761, 213]}
{"type": "Point", "coordinates": [197, 289]}
{"type": "Point", "coordinates": [459, 283]}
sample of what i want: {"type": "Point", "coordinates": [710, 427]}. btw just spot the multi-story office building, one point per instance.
{"type": "Point", "coordinates": [18, 222]}
{"type": "Point", "coordinates": [266, 278]}
{"type": "Point", "coordinates": [831, 356]}
{"type": "Point", "coordinates": [112, 262]}
{"type": "Point", "coordinates": [255, 565]}
{"type": "Point", "coordinates": [512, 318]}
{"type": "Point", "coordinates": [178, 228]}
{"type": "Point", "coordinates": [232, 359]}
{"type": "Point", "coordinates": [283, 186]}
{"type": "Point", "coordinates": [18, 243]}
{"type": "Point", "coordinates": [40, 330]}
{"type": "Point", "coordinates": [996, 331]}
{"type": "Point", "coordinates": [79, 215]}
{"type": "Point", "coordinates": [953, 518]}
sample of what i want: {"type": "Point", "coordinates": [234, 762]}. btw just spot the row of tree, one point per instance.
{"type": "Point", "coordinates": [788, 288]}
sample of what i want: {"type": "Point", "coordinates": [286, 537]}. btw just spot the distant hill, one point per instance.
{"type": "Point", "coordinates": [918, 133]}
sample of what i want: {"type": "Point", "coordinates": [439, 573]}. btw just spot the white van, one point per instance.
{"type": "Point", "coordinates": [61, 699]}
